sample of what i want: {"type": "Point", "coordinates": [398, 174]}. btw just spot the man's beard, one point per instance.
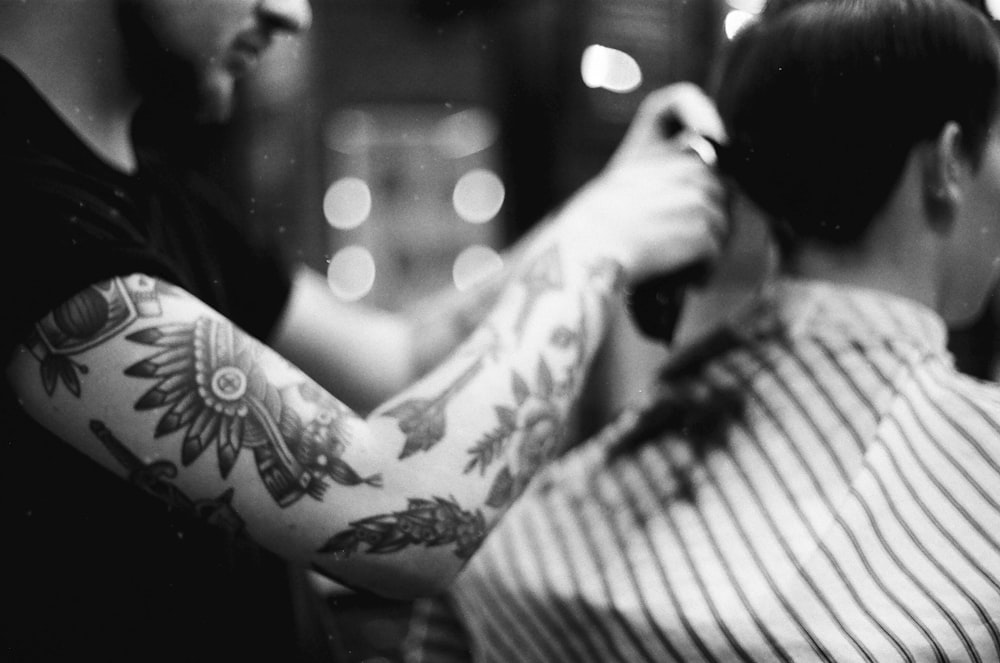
{"type": "Point", "coordinates": [171, 86]}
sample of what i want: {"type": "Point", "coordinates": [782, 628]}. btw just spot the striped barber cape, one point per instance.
{"type": "Point", "coordinates": [852, 514]}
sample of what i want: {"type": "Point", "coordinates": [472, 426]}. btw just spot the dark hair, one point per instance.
{"type": "Point", "coordinates": [825, 99]}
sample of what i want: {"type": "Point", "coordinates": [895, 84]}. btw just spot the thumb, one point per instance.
{"type": "Point", "coordinates": [680, 106]}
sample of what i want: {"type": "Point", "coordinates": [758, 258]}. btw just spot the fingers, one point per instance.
{"type": "Point", "coordinates": [683, 105]}
{"type": "Point", "coordinates": [670, 226]}
{"type": "Point", "coordinates": [699, 146]}
{"type": "Point", "coordinates": [704, 220]}
{"type": "Point", "coordinates": [689, 107]}
{"type": "Point", "coordinates": [669, 207]}
{"type": "Point", "coordinates": [667, 175]}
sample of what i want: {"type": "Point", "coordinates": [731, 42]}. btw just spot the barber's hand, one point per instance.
{"type": "Point", "coordinates": [657, 207]}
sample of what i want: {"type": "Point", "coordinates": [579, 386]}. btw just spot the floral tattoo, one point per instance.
{"type": "Point", "coordinates": [535, 421]}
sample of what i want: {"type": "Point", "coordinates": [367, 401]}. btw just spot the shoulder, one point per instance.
{"type": "Point", "coordinates": [952, 415]}
{"type": "Point", "coordinates": [48, 198]}
{"type": "Point", "coordinates": [975, 405]}
{"type": "Point", "coordinates": [955, 396]}
{"type": "Point", "coordinates": [64, 229]}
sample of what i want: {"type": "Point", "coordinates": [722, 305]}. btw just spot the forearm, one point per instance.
{"type": "Point", "coordinates": [441, 322]}
{"type": "Point", "coordinates": [187, 407]}
{"type": "Point", "coordinates": [475, 430]}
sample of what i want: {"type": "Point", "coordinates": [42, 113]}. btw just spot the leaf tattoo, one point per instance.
{"type": "Point", "coordinates": [521, 389]}
{"type": "Point", "coordinates": [423, 420]}
{"type": "Point", "coordinates": [493, 443]}
{"type": "Point", "coordinates": [428, 523]}
{"type": "Point", "coordinates": [503, 490]}
{"type": "Point", "coordinates": [541, 438]}
{"type": "Point", "coordinates": [56, 368]}
{"type": "Point", "coordinates": [512, 421]}
{"type": "Point", "coordinates": [213, 390]}
{"type": "Point", "coordinates": [535, 421]}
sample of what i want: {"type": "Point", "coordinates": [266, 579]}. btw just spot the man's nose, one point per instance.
{"type": "Point", "coordinates": [286, 15]}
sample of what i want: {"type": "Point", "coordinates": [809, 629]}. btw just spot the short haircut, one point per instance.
{"type": "Point", "coordinates": [824, 100]}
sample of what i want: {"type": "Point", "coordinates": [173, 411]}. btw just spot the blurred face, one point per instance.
{"type": "Point", "coordinates": [189, 53]}
{"type": "Point", "coordinates": [974, 265]}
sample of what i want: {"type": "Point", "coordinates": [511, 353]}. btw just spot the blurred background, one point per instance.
{"type": "Point", "coordinates": [402, 144]}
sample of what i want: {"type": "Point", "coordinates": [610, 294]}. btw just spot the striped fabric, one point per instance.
{"type": "Point", "coordinates": [852, 515]}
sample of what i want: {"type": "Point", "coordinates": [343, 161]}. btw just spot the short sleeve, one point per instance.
{"type": "Point", "coordinates": [215, 255]}
{"type": "Point", "coordinates": [66, 230]}
{"type": "Point", "coordinates": [55, 244]}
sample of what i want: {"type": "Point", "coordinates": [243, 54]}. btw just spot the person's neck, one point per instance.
{"type": "Point", "coordinates": [898, 255]}
{"type": "Point", "coordinates": [75, 60]}
{"type": "Point", "coordinates": [854, 270]}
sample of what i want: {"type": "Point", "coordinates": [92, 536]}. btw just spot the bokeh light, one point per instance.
{"type": "Point", "coordinates": [611, 69]}
{"type": "Point", "coordinates": [465, 133]}
{"type": "Point", "coordinates": [351, 131]}
{"type": "Point", "coordinates": [347, 203]}
{"type": "Point", "coordinates": [478, 195]}
{"type": "Point", "coordinates": [351, 273]}
{"type": "Point", "coordinates": [752, 6]}
{"type": "Point", "coordinates": [736, 20]}
{"type": "Point", "coordinates": [474, 265]}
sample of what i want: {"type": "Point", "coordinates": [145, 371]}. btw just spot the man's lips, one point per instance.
{"type": "Point", "coordinates": [247, 50]}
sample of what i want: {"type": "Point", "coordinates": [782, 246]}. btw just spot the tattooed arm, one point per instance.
{"type": "Point", "coordinates": [153, 384]}
{"type": "Point", "coordinates": [160, 389]}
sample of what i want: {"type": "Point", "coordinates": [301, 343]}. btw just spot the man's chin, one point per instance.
{"type": "Point", "coordinates": [216, 100]}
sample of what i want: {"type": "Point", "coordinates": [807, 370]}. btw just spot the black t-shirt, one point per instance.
{"type": "Point", "coordinates": [92, 568]}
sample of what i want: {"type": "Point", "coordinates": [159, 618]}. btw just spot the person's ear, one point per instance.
{"type": "Point", "coordinates": [944, 163]}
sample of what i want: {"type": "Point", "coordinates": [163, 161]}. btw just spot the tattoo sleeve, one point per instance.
{"type": "Point", "coordinates": [534, 357]}
{"type": "Point", "coordinates": [157, 387]}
